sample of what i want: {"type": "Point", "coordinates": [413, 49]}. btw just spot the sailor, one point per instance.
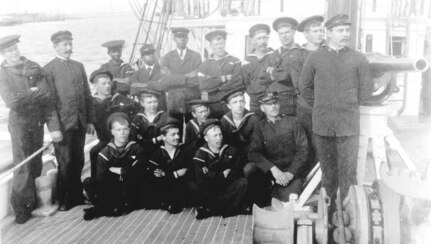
{"type": "Point", "coordinates": [25, 91]}
{"type": "Point", "coordinates": [218, 175]}
{"type": "Point", "coordinates": [219, 74]}
{"type": "Point", "coordinates": [279, 148]}
{"type": "Point", "coordinates": [314, 34]}
{"type": "Point", "coordinates": [149, 75]}
{"type": "Point", "coordinates": [169, 165]}
{"type": "Point", "coordinates": [144, 127]}
{"type": "Point", "coordinates": [75, 110]}
{"type": "Point", "coordinates": [335, 93]}
{"type": "Point", "coordinates": [256, 66]}
{"type": "Point", "coordinates": [114, 190]}
{"type": "Point", "coordinates": [280, 65]}
{"type": "Point", "coordinates": [105, 103]}
{"type": "Point", "coordinates": [181, 82]}
{"type": "Point", "coordinates": [238, 124]}
{"type": "Point", "coordinates": [120, 70]}
{"type": "Point", "coordinates": [200, 112]}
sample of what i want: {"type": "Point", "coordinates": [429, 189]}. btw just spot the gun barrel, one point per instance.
{"type": "Point", "coordinates": [381, 64]}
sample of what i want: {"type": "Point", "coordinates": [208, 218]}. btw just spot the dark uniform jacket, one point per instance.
{"type": "Point", "coordinates": [27, 107]}
{"type": "Point", "coordinates": [130, 159]}
{"type": "Point", "coordinates": [103, 108]}
{"type": "Point", "coordinates": [282, 144]}
{"type": "Point", "coordinates": [160, 159]}
{"type": "Point", "coordinates": [212, 76]}
{"type": "Point", "coordinates": [180, 89]}
{"type": "Point", "coordinates": [281, 61]}
{"type": "Point", "coordinates": [239, 137]}
{"type": "Point", "coordinates": [119, 70]}
{"type": "Point", "coordinates": [145, 132]}
{"type": "Point", "coordinates": [193, 134]}
{"type": "Point", "coordinates": [335, 83]}
{"type": "Point", "coordinates": [73, 100]}
{"type": "Point", "coordinates": [256, 77]}
{"type": "Point", "coordinates": [141, 79]}
{"type": "Point", "coordinates": [227, 158]}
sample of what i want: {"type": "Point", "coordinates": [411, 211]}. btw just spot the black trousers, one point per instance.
{"type": "Point", "coordinates": [25, 139]}
{"type": "Point", "coordinates": [304, 115]}
{"type": "Point", "coordinates": [70, 159]}
{"type": "Point", "coordinates": [338, 160]}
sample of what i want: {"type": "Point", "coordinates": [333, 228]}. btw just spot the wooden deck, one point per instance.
{"type": "Point", "coordinates": [142, 226]}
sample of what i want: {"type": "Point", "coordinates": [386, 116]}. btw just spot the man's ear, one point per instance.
{"type": "Point", "coordinates": [261, 108]}
{"type": "Point", "coordinates": [206, 138]}
{"type": "Point", "coordinates": [228, 106]}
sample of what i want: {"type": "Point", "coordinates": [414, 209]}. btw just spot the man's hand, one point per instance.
{"type": "Point", "coordinates": [90, 129]}
{"type": "Point", "coordinates": [289, 176]}
{"type": "Point", "coordinates": [159, 138]}
{"type": "Point", "coordinates": [56, 136]}
{"type": "Point", "coordinates": [34, 88]}
{"type": "Point", "coordinates": [115, 170]}
{"type": "Point", "coordinates": [279, 176]}
{"type": "Point", "coordinates": [181, 172]}
{"type": "Point", "coordinates": [159, 173]}
{"type": "Point", "coordinates": [192, 74]}
{"type": "Point", "coordinates": [226, 172]}
{"type": "Point", "coordinates": [205, 170]}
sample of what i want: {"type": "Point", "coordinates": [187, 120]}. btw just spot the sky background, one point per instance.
{"type": "Point", "coordinates": [64, 6]}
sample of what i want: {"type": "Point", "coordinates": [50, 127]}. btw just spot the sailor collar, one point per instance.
{"type": "Point", "coordinates": [212, 57]}
{"type": "Point", "coordinates": [268, 52]}
{"type": "Point", "coordinates": [177, 150]}
{"type": "Point", "coordinates": [207, 150]}
{"type": "Point", "coordinates": [126, 148]}
{"type": "Point", "coordinates": [229, 118]}
{"type": "Point", "coordinates": [5, 64]}
{"type": "Point", "coordinates": [155, 118]}
{"type": "Point", "coordinates": [195, 124]}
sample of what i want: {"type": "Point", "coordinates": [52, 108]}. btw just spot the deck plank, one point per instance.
{"type": "Point", "coordinates": [228, 237]}
{"type": "Point", "coordinates": [142, 224]}
{"type": "Point", "coordinates": [184, 228]}
{"type": "Point", "coordinates": [239, 229]}
{"type": "Point", "coordinates": [177, 225]}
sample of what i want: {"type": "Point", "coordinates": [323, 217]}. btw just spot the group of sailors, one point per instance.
{"type": "Point", "coordinates": [304, 108]}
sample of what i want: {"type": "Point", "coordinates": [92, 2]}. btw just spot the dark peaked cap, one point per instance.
{"type": "Point", "coordinates": [113, 44]}
{"type": "Point", "coordinates": [180, 31]}
{"type": "Point", "coordinates": [268, 97]}
{"type": "Point", "coordinates": [340, 19]}
{"type": "Point", "coordinates": [60, 36]}
{"type": "Point", "coordinates": [8, 41]}
{"type": "Point", "coordinates": [306, 21]}
{"type": "Point", "coordinates": [284, 21]}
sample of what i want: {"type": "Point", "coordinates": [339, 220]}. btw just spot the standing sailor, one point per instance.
{"type": "Point", "coordinates": [256, 66]}
{"type": "Point", "coordinates": [25, 91]}
{"type": "Point", "coordinates": [181, 82]}
{"type": "Point", "coordinates": [335, 81]}
{"type": "Point", "coordinates": [219, 74]}
{"type": "Point", "coordinates": [314, 34]}
{"type": "Point", "coordinates": [280, 65]}
{"type": "Point", "coordinates": [75, 110]}
{"type": "Point", "coordinates": [118, 68]}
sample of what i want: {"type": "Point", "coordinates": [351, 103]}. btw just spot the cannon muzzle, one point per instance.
{"type": "Point", "coordinates": [381, 64]}
{"type": "Point", "coordinates": [384, 69]}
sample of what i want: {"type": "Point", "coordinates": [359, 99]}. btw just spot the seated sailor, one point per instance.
{"type": "Point", "coordinates": [279, 149]}
{"type": "Point", "coordinates": [114, 189]}
{"type": "Point", "coordinates": [200, 112]}
{"type": "Point", "coordinates": [169, 166]}
{"type": "Point", "coordinates": [218, 176]}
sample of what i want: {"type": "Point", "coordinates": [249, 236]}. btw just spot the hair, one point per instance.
{"type": "Point", "coordinates": [165, 129]}
{"type": "Point", "coordinates": [286, 25]}
{"type": "Point", "coordinates": [195, 106]}
{"type": "Point", "coordinates": [313, 23]}
{"type": "Point", "coordinates": [146, 95]}
{"type": "Point", "coordinates": [119, 117]}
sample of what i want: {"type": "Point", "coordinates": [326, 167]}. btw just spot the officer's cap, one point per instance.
{"type": "Point", "coordinates": [118, 116]}
{"type": "Point", "coordinates": [340, 19]}
{"type": "Point", "coordinates": [215, 33]}
{"type": "Point", "coordinates": [147, 49]}
{"type": "Point", "coordinates": [8, 41]}
{"type": "Point", "coordinates": [306, 21]}
{"type": "Point", "coordinates": [208, 124]}
{"type": "Point", "coordinates": [284, 21]}
{"type": "Point", "coordinates": [100, 72]}
{"type": "Point", "coordinates": [113, 44]}
{"type": "Point", "coordinates": [60, 36]}
{"type": "Point", "coordinates": [233, 93]}
{"type": "Point", "coordinates": [180, 31]}
{"type": "Point", "coordinates": [169, 123]}
{"type": "Point", "coordinates": [259, 28]}
{"type": "Point", "coordinates": [268, 97]}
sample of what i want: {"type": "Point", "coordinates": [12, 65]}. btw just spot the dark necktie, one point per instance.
{"type": "Point", "coordinates": [149, 71]}
{"type": "Point", "coordinates": [181, 54]}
